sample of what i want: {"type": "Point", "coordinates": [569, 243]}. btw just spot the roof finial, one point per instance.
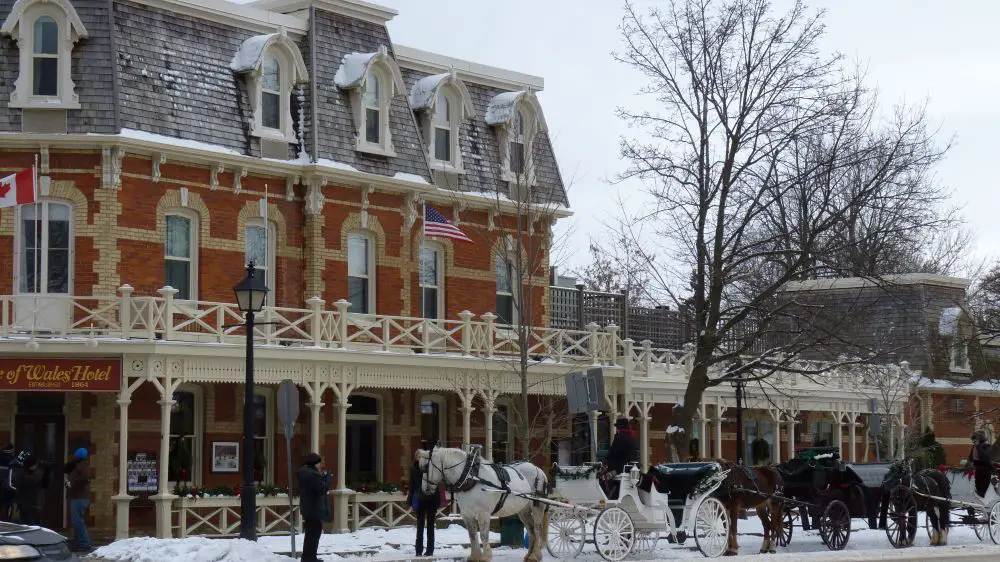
{"type": "Point", "coordinates": [452, 74]}
{"type": "Point", "coordinates": [282, 31]}
{"type": "Point", "coordinates": [383, 50]}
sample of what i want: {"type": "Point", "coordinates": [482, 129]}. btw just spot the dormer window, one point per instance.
{"type": "Point", "coordinates": [45, 31]}
{"type": "Point", "coordinates": [273, 65]}
{"type": "Point", "coordinates": [373, 110]}
{"type": "Point", "coordinates": [442, 102]}
{"type": "Point", "coordinates": [518, 119]}
{"type": "Point", "coordinates": [371, 80]}
{"type": "Point", "coordinates": [442, 128]}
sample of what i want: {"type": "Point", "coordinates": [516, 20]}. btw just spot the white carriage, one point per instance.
{"type": "Point", "coordinates": [634, 521]}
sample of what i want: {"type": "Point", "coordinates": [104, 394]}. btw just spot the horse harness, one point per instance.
{"type": "Point", "coordinates": [470, 477]}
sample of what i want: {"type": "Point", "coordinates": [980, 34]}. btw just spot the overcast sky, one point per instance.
{"type": "Point", "coordinates": [944, 52]}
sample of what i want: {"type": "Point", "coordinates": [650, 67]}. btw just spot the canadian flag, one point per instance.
{"type": "Point", "coordinates": [18, 189]}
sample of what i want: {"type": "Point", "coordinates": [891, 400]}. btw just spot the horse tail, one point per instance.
{"type": "Point", "coordinates": [546, 511]}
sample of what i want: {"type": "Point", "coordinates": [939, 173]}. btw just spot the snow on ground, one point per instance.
{"type": "Point", "coordinates": [374, 544]}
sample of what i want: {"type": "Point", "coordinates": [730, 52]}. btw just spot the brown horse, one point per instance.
{"type": "Point", "coordinates": [752, 486]}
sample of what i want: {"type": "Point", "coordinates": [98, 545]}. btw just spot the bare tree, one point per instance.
{"type": "Point", "coordinates": [615, 269]}
{"type": "Point", "coordinates": [767, 162]}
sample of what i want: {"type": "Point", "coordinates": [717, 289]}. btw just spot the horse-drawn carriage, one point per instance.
{"type": "Point", "coordinates": [822, 492]}
{"type": "Point", "coordinates": [675, 498]}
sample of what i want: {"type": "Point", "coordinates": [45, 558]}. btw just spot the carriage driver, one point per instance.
{"type": "Point", "coordinates": [624, 449]}
{"type": "Point", "coordinates": [979, 458]}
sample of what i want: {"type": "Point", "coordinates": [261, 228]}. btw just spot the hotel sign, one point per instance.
{"type": "Point", "coordinates": [60, 375]}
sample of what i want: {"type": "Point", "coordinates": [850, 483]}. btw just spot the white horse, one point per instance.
{"type": "Point", "coordinates": [481, 494]}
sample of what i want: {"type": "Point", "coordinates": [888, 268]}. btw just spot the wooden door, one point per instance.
{"type": "Point", "coordinates": [44, 435]}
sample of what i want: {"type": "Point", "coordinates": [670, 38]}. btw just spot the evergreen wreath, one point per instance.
{"type": "Point", "coordinates": [576, 472]}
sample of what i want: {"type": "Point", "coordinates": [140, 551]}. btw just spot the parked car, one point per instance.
{"type": "Point", "coordinates": [25, 542]}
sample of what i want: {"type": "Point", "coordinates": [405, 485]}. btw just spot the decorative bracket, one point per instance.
{"type": "Point", "coordinates": [184, 197]}
{"type": "Point", "coordinates": [491, 217]}
{"type": "Point", "coordinates": [314, 195]}
{"type": "Point", "coordinates": [111, 167]}
{"type": "Point", "coordinates": [365, 192]}
{"type": "Point", "coordinates": [43, 152]}
{"type": "Point", "coordinates": [290, 182]}
{"type": "Point", "coordinates": [238, 180]}
{"type": "Point", "coordinates": [158, 160]}
{"type": "Point", "coordinates": [213, 181]}
{"type": "Point", "coordinates": [411, 204]}
{"type": "Point", "coordinates": [456, 211]}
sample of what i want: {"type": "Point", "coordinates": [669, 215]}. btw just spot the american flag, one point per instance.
{"type": "Point", "coordinates": [436, 225]}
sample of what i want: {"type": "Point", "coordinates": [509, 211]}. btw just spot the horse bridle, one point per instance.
{"type": "Point", "coordinates": [463, 479]}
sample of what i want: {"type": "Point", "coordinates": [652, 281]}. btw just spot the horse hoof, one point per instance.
{"type": "Point", "coordinates": [731, 553]}
{"type": "Point", "coordinates": [772, 551]}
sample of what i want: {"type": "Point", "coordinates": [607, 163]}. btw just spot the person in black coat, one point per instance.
{"type": "Point", "coordinates": [314, 482]}
{"type": "Point", "coordinates": [624, 449]}
{"type": "Point", "coordinates": [31, 480]}
{"type": "Point", "coordinates": [424, 505]}
{"type": "Point", "coordinates": [8, 462]}
{"type": "Point", "coordinates": [979, 458]}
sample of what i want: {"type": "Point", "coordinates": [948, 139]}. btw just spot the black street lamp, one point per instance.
{"type": "Point", "coordinates": [251, 294]}
{"type": "Point", "coordinates": [738, 382]}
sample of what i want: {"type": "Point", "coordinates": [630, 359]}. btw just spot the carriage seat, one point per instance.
{"type": "Point", "coordinates": [677, 479]}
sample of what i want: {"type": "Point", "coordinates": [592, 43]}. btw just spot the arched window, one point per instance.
{"type": "Point", "coordinates": [361, 272]}
{"type": "Point", "coordinates": [505, 310]}
{"type": "Point", "coordinates": [180, 253]}
{"type": "Point", "coordinates": [443, 120]}
{"type": "Point", "coordinates": [46, 245]}
{"type": "Point", "coordinates": [432, 281]}
{"type": "Point", "coordinates": [45, 58]}
{"type": "Point", "coordinates": [271, 93]}
{"type": "Point", "coordinates": [372, 102]}
{"type": "Point", "coordinates": [259, 247]}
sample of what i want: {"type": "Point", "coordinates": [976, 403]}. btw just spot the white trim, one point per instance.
{"type": "Point", "coordinates": [434, 63]}
{"type": "Point", "coordinates": [887, 280]}
{"type": "Point", "coordinates": [359, 9]}
{"type": "Point", "coordinates": [371, 251]}
{"type": "Point", "coordinates": [194, 228]}
{"type": "Point", "coordinates": [243, 16]}
{"type": "Point", "coordinates": [20, 26]}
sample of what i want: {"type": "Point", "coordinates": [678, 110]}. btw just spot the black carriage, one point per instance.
{"type": "Point", "coordinates": [822, 492]}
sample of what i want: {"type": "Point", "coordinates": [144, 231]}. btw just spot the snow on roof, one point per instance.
{"type": "Point", "coordinates": [409, 177]}
{"type": "Point", "coordinates": [163, 139]}
{"type": "Point", "coordinates": [948, 325]}
{"type": "Point", "coordinates": [941, 384]}
{"type": "Point", "coordinates": [501, 108]}
{"type": "Point", "coordinates": [354, 68]}
{"type": "Point", "coordinates": [423, 95]}
{"type": "Point", "coordinates": [251, 53]}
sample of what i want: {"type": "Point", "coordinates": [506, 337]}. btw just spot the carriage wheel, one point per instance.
{"type": "Point", "coordinates": [901, 523]}
{"type": "Point", "coordinates": [994, 523]}
{"type": "Point", "coordinates": [614, 534]}
{"type": "Point", "coordinates": [982, 530]}
{"type": "Point", "coordinates": [645, 541]}
{"type": "Point", "coordinates": [787, 525]}
{"type": "Point", "coordinates": [928, 527]}
{"type": "Point", "coordinates": [711, 528]}
{"type": "Point", "coordinates": [567, 533]}
{"type": "Point", "coordinates": [835, 525]}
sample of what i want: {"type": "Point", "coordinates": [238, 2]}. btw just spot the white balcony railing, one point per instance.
{"type": "Point", "coordinates": [164, 318]}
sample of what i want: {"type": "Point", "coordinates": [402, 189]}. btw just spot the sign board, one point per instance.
{"type": "Point", "coordinates": [60, 375]}
{"type": "Point", "coordinates": [142, 474]}
{"type": "Point", "coordinates": [288, 405]}
{"type": "Point", "coordinates": [585, 391]}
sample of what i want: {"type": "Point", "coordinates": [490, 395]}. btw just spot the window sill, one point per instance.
{"type": "Point", "coordinates": [43, 104]}
{"type": "Point", "coordinates": [376, 149]}
{"type": "Point", "coordinates": [273, 135]}
{"type": "Point", "coordinates": [446, 167]}
{"type": "Point", "coordinates": [510, 176]}
{"type": "Point", "coordinates": [960, 370]}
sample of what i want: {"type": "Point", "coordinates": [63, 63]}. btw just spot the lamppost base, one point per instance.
{"type": "Point", "coordinates": [248, 512]}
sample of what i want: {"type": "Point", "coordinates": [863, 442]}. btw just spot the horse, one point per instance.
{"type": "Point", "coordinates": [483, 490]}
{"type": "Point", "coordinates": [752, 486]}
{"type": "Point", "coordinates": [927, 482]}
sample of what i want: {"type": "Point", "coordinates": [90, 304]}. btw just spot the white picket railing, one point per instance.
{"type": "Point", "coordinates": [384, 510]}
{"type": "Point", "coordinates": [165, 318]}
{"type": "Point", "coordinates": [220, 517]}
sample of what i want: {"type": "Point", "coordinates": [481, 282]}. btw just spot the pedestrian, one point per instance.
{"type": "Point", "coordinates": [424, 504]}
{"type": "Point", "coordinates": [78, 479]}
{"type": "Point", "coordinates": [31, 480]}
{"type": "Point", "coordinates": [8, 461]}
{"type": "Point", "coordinates": [314, 482]}
{"type": "Point", "coordinates": [980, 461]}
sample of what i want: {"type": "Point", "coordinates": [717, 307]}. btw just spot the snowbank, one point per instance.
{"type": "Point", "coordinates": [147, 549]}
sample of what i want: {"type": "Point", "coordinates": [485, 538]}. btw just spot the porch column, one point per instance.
{"type": "Point", "coordinates": [122, 499]}
{"type": "Point", "coordinates": [790, 421]}
{"type": "Point", "coordinates": [466, 408]}
{"type": "Point", "coordinates": [341, 495]}
{"type": "Point", "coordinates": [489, 406]}
{"type": "Point", "coordinates": [644, 406]}
{"type": "Point", "coordinates": [776, 433]}
{"type": "Point", "coordinates": [592, 420]}
{"type": "Point", "coordinates": [838, 417]}
{"type": "Point", "coordinates": [315, 408]}
{"type": "Point", "coordinates": [703, 432]}
{"type": "Point", "coordinates": [852, 438]}
{"type": "Point", "coordinates": [892, 437]}
{"type": "Point", "coordinates": [719, 410]}
{"type": "Point", "coordinates": [902, 437]}
{"type": "Point", "coordinates": [164, 498]}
